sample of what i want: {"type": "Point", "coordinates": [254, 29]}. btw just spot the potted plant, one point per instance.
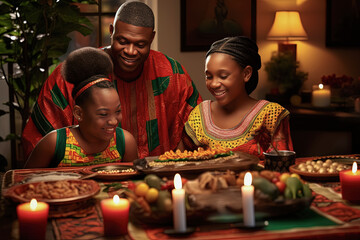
{"type": "Point", "coordinates": [33, 35]}
{"type": "Point", "coordinates": [283, 73]}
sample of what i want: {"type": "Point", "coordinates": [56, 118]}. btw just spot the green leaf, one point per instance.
{"type": "Point", "coordinates": [113, 187]}
{"type": "Point", "coordinates": [12, 136]}
{"type": "Point", "coordinates": [2, 112]}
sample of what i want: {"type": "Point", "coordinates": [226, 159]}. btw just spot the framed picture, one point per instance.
{"type": "Point", "coordinates": [205, 21]}
{"type": "Point", "coordinates": [343, 23]}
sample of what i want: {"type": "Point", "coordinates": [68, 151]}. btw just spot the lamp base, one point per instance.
{"type": "Point", "coordinates": [286, 47]}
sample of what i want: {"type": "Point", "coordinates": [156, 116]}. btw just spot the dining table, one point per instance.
{"type": "Point", "coordinates": [328, 216]}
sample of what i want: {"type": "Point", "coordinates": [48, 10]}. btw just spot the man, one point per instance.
{"type": "Point", "coordinates": [156, 92]}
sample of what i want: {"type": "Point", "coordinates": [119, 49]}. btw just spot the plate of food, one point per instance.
{"type": "Point", "coordinates": [222, 191]}
{"type": "Point", "coordinates": [324, 168]}
{"type": "Point", "coordinates": [54, 192]}
{"type": "Point", "coordinates": [111, 171]}
{"type": "Point", "coordinates": [195, 162]}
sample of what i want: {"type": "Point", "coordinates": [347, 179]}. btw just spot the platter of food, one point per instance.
{"type": "Point", "coordinates": [111, 171]}
{"type": "Point", "coordinates": [325, 168]}
{"type": "Point", "coordinates": [54, 192]}
{"type": "Point", "coordinates": [195, 162]}
{"type": "Point", "coordinates": [216, 196]}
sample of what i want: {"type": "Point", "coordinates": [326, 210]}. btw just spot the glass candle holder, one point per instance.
{"type": "Point", "coordinates": [321, 95]}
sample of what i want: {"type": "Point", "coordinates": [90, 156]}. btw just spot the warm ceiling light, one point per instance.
{"type": "Point", "coordinates": [287, 26]}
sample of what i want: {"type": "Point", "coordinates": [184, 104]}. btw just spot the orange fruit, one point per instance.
{"type": "Point", "coordinates": [141, 189]}
{"type": "Point", "coordinates": [152, 195]}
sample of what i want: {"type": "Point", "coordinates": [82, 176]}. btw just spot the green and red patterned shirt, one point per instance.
{"type": "Point", "coordinates": [155, 107]}
{"type": "Point", "coordinates": [68, 152]}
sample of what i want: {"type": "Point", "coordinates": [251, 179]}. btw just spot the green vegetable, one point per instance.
{"type": "Point", "coordinates": [307, 191]}
{"type": "Point", "coordinates": [113, 187]}
{"type": "Point", "coordinates": [153, 181]}
{"type": "Point", "coordinates": [295, 186]}
{"type": "Point", "coordinates": [287, 193]}
{"type": "Point", "coordinates": [266, 187]}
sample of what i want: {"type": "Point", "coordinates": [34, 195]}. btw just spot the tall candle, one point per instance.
{"type": "Point", "coordinates": [321, 96]}
{"type": "Point", "coordinates": [116, 215]}
{"type": "Point", "coordinates": [350, 184]}
{"type": "Point", "coordinates": [179, 213]}
{"type": "Point", "coordinates": [32, 219]}
{"type": "Point", "coordinates": [247, 194]}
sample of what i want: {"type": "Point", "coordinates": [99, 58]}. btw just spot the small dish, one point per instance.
{"type": "Point", "coordinates": [348, 160]}
{"type": "Point", "coordinates": [111, 171]}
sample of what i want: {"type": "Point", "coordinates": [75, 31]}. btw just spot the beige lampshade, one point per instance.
{"type": "Point", "coordinates": [287, 26]}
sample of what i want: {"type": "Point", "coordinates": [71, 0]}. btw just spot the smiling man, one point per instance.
{"type": "Point", "coordinates": [156, 92]}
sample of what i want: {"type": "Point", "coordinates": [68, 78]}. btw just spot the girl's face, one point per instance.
{"type": "Point", "coordinates": [102, 114]}
{"type": "Point", "coordinates": [226, 79]}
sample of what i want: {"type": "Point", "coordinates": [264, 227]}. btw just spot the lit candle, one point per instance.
{"type": "Point", "coordinates": [179, 213]}
{"type": "Point", "coordinates": [247, 194]}
{"type": "Point", "coordinates": [115, 213]}
{"type": "Point", "coordinates": [321, 96]}
{"type": "Point", "coordinates": [350, 184]}
{"type": "Point", "coordinates": [32, 219]}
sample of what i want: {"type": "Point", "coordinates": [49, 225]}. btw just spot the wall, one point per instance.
{"type": "Point", "coordinates": [4, 121]}
{"type": "Point", "coordinates": [314, 57]}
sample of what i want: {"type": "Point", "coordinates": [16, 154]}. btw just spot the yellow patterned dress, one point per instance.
{"type": "Point", "coordinates": [265, 123]}
{"type": "Point", "coordinates": [69, 153]}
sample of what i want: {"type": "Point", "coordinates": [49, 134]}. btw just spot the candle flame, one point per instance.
{"type": "Point", "coordinates": [248, 179]}
{"type": "Point", "coordinates": [33, 204]}
{"type": "Point", "coordinates": [116, 199]}
{"type": "Point", "coordinates": [177, 181]}
{"type": "Point", "coordinates": [354, 167]}
{"type": "Point", "coordinates": [321, 86]}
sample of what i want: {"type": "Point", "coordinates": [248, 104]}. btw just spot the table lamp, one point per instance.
{"type": "Point", "coordinates": [287, 27]}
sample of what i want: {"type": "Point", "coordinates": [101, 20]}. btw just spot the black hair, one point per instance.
{"type": "Point", "coordinates": [245, 52]}
{"type": "Point", "coordinates": [85, 65]}
{"type": "Point", "coordinates": [135, 13]}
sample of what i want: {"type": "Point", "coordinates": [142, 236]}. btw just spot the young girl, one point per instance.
{"type": "Point", "coordinates": [96, 139]}
{"type": "Point", "coordinates": [236, 120]}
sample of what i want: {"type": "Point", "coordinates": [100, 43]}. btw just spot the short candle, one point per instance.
{"type": "Point", "coordinates": [33, 219]}
{"type": "Point", "coordinates": [350, 184]}
{"type": "Point", "coordinates": [179, 211]}
{"type": "Point", "coordinates": [247, 195]}
{"type": "Point", "coordinates": [321, 96]}
{"type": "Point", "coordinates": [115, 213]}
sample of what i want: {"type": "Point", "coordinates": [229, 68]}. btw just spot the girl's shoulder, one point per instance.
{"type": "Point", "coordinates": [271, 106]}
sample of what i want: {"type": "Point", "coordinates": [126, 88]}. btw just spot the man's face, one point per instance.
{"type": "Point", "coordinates": [130, 47]}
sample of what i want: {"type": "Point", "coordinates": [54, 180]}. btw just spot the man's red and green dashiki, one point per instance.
{"type": "Point", "coordinates": [155, 107]}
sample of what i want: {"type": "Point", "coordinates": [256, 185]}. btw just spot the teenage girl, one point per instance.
{"type": "Point", "coordinates": [97, 139]}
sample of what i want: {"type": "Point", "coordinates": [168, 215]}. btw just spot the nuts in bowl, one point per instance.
{"type": "Point", "coordinates": [319, 166]}
{"type": "Point", "coordinates": [325, 169]}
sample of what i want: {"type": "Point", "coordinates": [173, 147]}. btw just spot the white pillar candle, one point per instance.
{"type": "Point", "coordinates": [179, 213]}
{"type": "Point", "coordinates": [321, 96]}
{"type": "Point", "coordinates": [247, 194]}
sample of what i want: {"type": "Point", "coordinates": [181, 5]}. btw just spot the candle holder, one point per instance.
{"type": "Point", "coordinates": [321, 95]}
{"type": "Point", "coordinates": [174, 232]}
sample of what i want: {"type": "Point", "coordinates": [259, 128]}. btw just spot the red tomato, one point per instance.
{"type": "Point", "coordinates": [169, 184]}
{"type": "Point", "coordinates": [275, 180]}
{"type": "Point", "coordinates": [131, 185]}
{"type": "Point", "coordinates": [281, 186]}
